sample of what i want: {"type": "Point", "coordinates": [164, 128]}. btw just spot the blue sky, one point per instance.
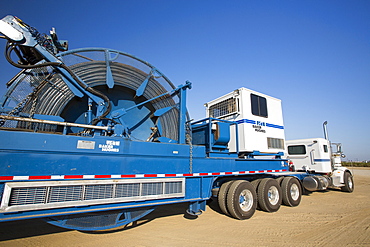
{"type": "Point", "coordinates": [313, 55]}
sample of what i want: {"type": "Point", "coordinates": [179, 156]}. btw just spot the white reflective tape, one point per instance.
{"type": "Point", "coordinates": [142, 175]}
{"type": "Point", "coordinates": [21, 177]}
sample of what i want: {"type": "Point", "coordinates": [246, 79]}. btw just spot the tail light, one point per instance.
{"type": "Point", "coordinates": [291, 166]}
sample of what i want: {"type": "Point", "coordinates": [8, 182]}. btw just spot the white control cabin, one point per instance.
{"type": "Point", "coordinates": [259, 118]}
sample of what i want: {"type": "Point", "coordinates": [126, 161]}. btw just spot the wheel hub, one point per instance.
{"type": "Point", "coordinates": [350, 184]}
{"type": "Point", "coordinates": [294, 192]}
{"type": "Point", "coordinates": [273, 195]}
{"type": "Point", "coordinates": [246, 200]}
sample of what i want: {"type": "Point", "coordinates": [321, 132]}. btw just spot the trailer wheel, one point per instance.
{"type": "Point", "coordinates": [269, 195]}
{"type": "Point", "coordinates": [241, 200]}
{"type": "Point", "coordinates": [292, 191]}
{"type": "Point", "coordinates": [221, 197]}
{"type": "Point", "coordinates": [279, 179]}
{"type": "Point", "coordinates": [349, 185]}
{"type": "Point", "coordinates": [255, 183]}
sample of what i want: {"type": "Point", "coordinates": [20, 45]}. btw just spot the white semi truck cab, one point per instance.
{"type": "Point", "coordinates": [319, 156]}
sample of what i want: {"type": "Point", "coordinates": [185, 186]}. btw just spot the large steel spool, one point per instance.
{"type": "Point", "coordinates": [116, 74]}
{"type": "Point", "coordinates": [126, 80]}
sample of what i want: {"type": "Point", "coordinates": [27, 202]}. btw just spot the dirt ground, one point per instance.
{"type": "Point", "coordinates": [331, 218]}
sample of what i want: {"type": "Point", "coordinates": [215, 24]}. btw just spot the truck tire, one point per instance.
{"type": "Point", "coordinates": [255, 183]}
{"type": "Point", "coordinates": [221, 197]}
{"type": "Point", "coordinates": [279, 179]}
{"type": "Point", "coordinates": [269, 195]}
{"type": "Point", "coordinates": [241, 200]}
{"type": "Point", "coordinates": [291, 191]}
{"type": "Point", "coordinates": [349, 185]}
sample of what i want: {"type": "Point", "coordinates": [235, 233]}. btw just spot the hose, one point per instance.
{"type": "Point", "coordinates": [10, 47]}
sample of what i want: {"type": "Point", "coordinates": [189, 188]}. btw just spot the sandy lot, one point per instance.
{"type": "Point", "coordinates": [331, 218]}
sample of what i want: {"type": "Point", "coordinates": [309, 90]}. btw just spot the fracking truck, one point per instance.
{"type": "Point", "coordinates": [94, 139]}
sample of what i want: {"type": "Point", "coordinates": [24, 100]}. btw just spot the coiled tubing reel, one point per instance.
{"type": "Point", "coordinates": [143, 103]}
{"type": "Point", "coordinates": [96, 91]}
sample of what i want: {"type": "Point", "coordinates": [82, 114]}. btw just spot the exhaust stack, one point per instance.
{"type": "Point", "coordinates": [325, 130]}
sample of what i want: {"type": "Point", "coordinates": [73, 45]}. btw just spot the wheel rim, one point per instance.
{"type": "Point", "coordinates": [246, 200]}
{"type": "Point", "coordinates": [273, 195]}
{"type": "Point", "coordinates": [350, 183]}
{"type": "Point", "coordinates": [294, 192]}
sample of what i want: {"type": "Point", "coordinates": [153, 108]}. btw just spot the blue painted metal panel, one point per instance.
{"type": "Point", "coordinates": [37, 154]}
{"type": "Point", "coordinates": [215, 140]}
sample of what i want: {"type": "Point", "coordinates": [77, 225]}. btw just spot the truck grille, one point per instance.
{"type": "Point", "coordinates": [65, 193]}
{"type": "Point", "coordinates": [21, 196]}
{"type": "Point", "coordinates": [24, 196]}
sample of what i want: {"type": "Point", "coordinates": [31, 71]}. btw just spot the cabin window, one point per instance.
{"type": "Point", "coordinates": [297, 149]}
{"type": "Point", "coordinates": [325, 148]}
{"type": "Point", "coordinates": [223, 108]}
{"type": "Point", "coordinates": [259, 105]}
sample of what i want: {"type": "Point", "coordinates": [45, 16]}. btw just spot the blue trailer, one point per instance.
{"type": "Point", "coordinates": [94, 139]}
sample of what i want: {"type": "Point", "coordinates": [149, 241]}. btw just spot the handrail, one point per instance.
{"type": "Point", "coordinates": [66, 124]}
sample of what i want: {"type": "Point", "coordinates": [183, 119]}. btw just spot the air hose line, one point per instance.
{"type": "Point", "coordinates": [12, 47]}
